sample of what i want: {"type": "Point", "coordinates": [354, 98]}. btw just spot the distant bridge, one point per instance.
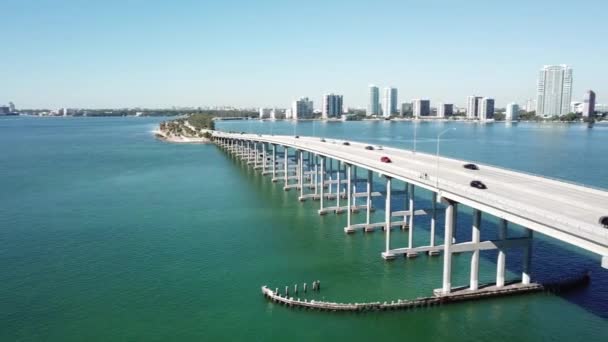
{"type": "Point", "coordinates": [322, 169]}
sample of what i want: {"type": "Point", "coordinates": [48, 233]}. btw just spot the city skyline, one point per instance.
{"type": "Point", "coordinates": [136, 54]}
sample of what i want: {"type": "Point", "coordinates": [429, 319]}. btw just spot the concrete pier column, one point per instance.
{"type": "Point", "coordinates": [433, 217]}
{"type": "Point", "coordinates": [285, 163]}
{"type": "Point", "coordinates": [264, 157]}
{"type": "Point", "coordinates": [368, 209]}
{"type": "Point", "coordinates": [322, 190]}
{"type": "Point", "coordinates": [411, 220]}
{"type": "Point", "coordinates": [387, 255]}
{"type": "Point", "coordinates": [348, 195]}
{"type": "Point", "coordinates": [500, 262]}
{"type": "Point", "coordinates": [330, 170]}
{"type": "Point", "coordinates": [474, 283]}
{"type": "Point", "coordinates": [338, 191]}
{"type": "Point", "coordinates": [255, 155]}
{"type": "Point", "coordinates": [301, 174]}
{"type": "Point", "coordinates": [274, 162]}
{"type": "Point", "coordinates": [527, 256]}
{"type": "Point", "coordinates": [450, 215]}
{"type": "Point", "coordinates": [316, 177]}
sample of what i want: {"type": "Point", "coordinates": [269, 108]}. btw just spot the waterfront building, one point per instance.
{"type": "Point", "coordinates": [4, 110]}
{"type": "Point", "coordinates": [276, 114]}
{"type": "Point", "coordinates": [421, 108]}
{"type": "Point", "coordinates": [486, 109]}
{"type": "Point", "coordinates": [332, 106]}
{"type": "Point", "coordinates": [302, 109]}
{"type": "Point", "coordinates": [554, 90]}
{"type": "Point", "coordinates": [264, 113]}
{"type": "Point", "coordinates": [288, 113]}
{"type": "Point", "coordinates": [444, 110]}
{"type": "Point", "coordinates": [576, 107]}
{"type": "Point", "coordinates": [530, 106]}
{"type": "Point", "coordinates": [512, 112]}
{"type": "Point", "coordinates": [589, 104]}
{"type": "Point", "coordinates": [473, 107]}
{"type": "Point", "coordinates": [390, 102]}
{"type": "Point", "coordinates": [373, 107]}
{"type": "Point", "coordinates": [407, 109]}
{"type": "Point", "coordinates": [11, 107]}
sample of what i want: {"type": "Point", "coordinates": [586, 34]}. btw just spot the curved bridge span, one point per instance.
{"type": "Point", "coordinates": [324, 167]}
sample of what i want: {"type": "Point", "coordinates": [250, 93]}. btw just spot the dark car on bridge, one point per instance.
{"type": "Point", "coordinates": [322, 139]}
{"type": "Point", "coordinates": [386, 159]}
{"type": "Point", "coordinates": [478, 184]}
{"type": "Point", "coordinates": [471, 166]}
{"type": "Point", "coordinates": [369, 147]}
{"type": "Point", "coordinates": [604, 221]}
{"type": "Point", "coordinates": [346, 143]}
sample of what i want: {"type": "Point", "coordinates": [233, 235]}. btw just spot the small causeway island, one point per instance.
{"type": "Point", "coordinates": [195, 128]}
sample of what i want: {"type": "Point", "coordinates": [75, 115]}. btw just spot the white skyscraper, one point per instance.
{"type": "Point", "coordinates": [473, 107]}
{"type": "Point", "coordinates": [264, 113]}
{"type": "Point", "coordinates": [554, 90]}
{"type": "Point", "coordinates": [302, 109]}
{"type": "Point", "coordinates": [486, 109]}
{"type": "Point", "coordinates": [512, 111]}
{"type": "Point", "coordinates": [373, 107]}
{"type": "Point", "coordinates": [389, 105]}
{"type": "Point", "coordinates": [421, 107]}
{"type": "Point", "coordinates": [332, 106]}
{"type": "Point", "coordinates": [445, 110]}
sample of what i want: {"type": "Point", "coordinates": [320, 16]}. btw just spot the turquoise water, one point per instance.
{"type": "Point", "coordinates": [109, 234]}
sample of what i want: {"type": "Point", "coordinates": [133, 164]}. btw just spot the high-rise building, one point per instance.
{"type": "Point", "coordinates": [512, 111]}
{"type": "Point", "coordinates": [373, 107]}
{"type": "Point", "coordinates": [530, 106]}
{"type": "Point", "coordinates": [421, 107]}
{"type": "Point", "coordinates": [486, 109]}
{"type": "Point", "coordinates": [264, 113]}
{"type": "Point", "coordinates": [407, 109]}
{"type": "Point", "coordinates": [276, 114]}
{"type": "Point", "coordinates": [302, 109]}
{"type": "Point", "coordinates": [554, 90]}
{"type": "Point", "coordinates": [332, 106]}
{"type": "Point", "coordinates": [445, 110]}
{"type": "Point", "coordinates": [473, 107]}
{"type": "Point", "coordinates": [589, 104]}
{"type": "Point", "coordinates": [390, 102]}
{"type": "Point", "coordinates": [11, 107]}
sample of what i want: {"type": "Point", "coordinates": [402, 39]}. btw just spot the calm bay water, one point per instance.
{"type": "Point", "coordinates": [109, 234]}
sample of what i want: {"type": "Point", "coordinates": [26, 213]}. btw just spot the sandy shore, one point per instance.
{"type": "Point", "coordinates": [179, 139]}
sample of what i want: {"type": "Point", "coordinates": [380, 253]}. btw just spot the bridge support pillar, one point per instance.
{"type": "Point", "coordinates": [322, 190]}
{"type": "Point", "coordinates": [348, 195]}
{"type": "Point", "coordinates": [410, 239]}
{"type": "Point", "coordinates": [264, 157]}
{"type": "Point", "coordinates": [368, 209]}
{"type": "Point", "coordinates": [387, 255]}
{"type": "Point", "coordinates": [433, 223]}
{"type": "Point", "coordinates": [474, 284]}
{"type": "Point", "coordinates": [450, 216]}
{"type": "Point", "coordinates": [500, 262]}
{"type": "Point", "coordinates": [527, 256]}
{"type": "Point", "coordinates": [285, 165]}
{"type": "Point", "coordinates": [255, 155]}
{"type": "Point", "coordinates": [338, 191]}
{"type": "Point", "coordinates": [301, 174]}
{"type": "Point", "coordinates": [274, 162]}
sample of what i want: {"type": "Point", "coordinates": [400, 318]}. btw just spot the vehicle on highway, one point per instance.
{"type": "Point", "coordinates": [386, 159]}
{"type": "Point", "coordinates": [470, 166]}
{"type": "Point", "coordinates": [297, 136]}
{"type": "Point", "coordinates": [346, 143]}
{"type": "Point", "coordinates": [322, 139]}
{"type": "Point", "coordinates": [379, 148]}
{"type": "Point", "coordinates": [604, 221]}
{"type": "Point", "coordinates": [368, 147]}
{"type": "Point", "coordinates": [478, 184]}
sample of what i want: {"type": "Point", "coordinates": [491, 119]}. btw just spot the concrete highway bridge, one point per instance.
{"type": "Point", "coordinates": [327, 170]}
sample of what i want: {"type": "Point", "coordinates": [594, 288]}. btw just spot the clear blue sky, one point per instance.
{"type": "Point", "coordinates": [70, 53]}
